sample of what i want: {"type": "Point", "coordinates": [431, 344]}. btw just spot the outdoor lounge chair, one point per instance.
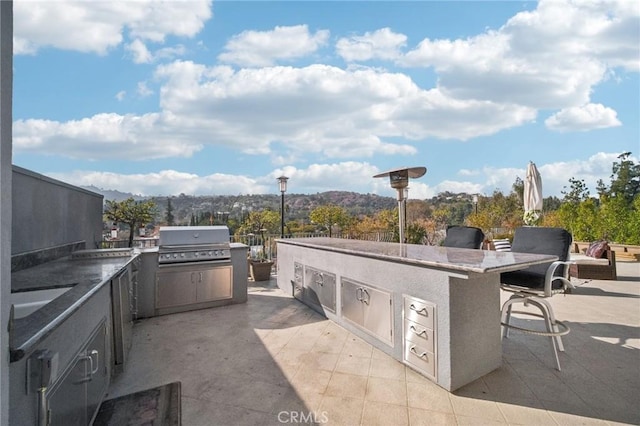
{"type": "Point", "coordinates": [464, 237]}
{"type": "Point", "coordinates": [533, 285]}
{"type": "Point", "coordinates": [598, 263]}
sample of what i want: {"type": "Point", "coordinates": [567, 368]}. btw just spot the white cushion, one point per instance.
{"type": "Point", "coordinates": [582, 259]}
{"type": "Point", "coordinates": [502, 244]}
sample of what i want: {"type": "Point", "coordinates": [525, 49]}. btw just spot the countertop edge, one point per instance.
{"type": "Point", "coordinates": [421, 262]}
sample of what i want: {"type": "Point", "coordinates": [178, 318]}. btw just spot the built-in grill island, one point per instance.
{"type": "Point", "coordinates": [196, 269]}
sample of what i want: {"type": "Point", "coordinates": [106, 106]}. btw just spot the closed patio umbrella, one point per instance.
{"type": "Point", "coordinates": [532, 195]}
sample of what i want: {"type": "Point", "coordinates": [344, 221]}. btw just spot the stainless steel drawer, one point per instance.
{"type": "Point", "coordinates": [419, 335]}
{"type": "Point", "coordinates": [420, 358]}
{"type": "Point", "coordinates": [419, 311]}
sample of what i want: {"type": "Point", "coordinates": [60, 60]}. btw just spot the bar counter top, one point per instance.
{"type": "Point", "coordinates": [456, 259]}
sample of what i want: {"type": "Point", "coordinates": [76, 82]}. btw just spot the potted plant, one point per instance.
{"type": "Point", "coordinates": [260, 222]}
{"type": "Point", "coordinates": [259, 265]}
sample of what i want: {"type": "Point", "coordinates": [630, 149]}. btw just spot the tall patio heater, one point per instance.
{"type": "Point", "coordinates": [399, 179]}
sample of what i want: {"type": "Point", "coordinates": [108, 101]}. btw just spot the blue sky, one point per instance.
{"type": "Point", "coordinates": [222, 97]}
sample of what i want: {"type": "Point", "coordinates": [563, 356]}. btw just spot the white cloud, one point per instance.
{"type": "Point", "coordinates": [139, 51]}
{"type": "Point", "coordinates": [380, 44]}
{"type": "Point", "coordinates": [551, 57]}
{"type": "Point", "coordinates": [142, 55]}
{"type": "Point", "coordinates": [316, 110]}
{"type": "Point", "coordinates": [265, 48]}
{"type": "Point", "coordinates": [143, 90]}
{"type": "Point", "coordinates": [583, 118]}
{"type": "Point", "coordinates": [103, 136]}
{"type": "Point", "coordinates": [316, 177]}
{"type": "Point", "coordinates": [98, 26]}
{"type": "Point", "coordinates": [555, 176]}
{"type": "Point", "coordinates": [166, 182]}
{"type": "Point", "coordinates": [121, 95]}
{"type": "Point", "coordinates": [320, 177]}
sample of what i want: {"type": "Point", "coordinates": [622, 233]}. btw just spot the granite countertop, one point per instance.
{"type": "Point", "coordinates": [457, 259]}
{"type": "Point", "coordinates": [84, 276]}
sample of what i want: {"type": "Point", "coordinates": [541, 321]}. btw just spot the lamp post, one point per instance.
{"type": "Point", "coordinates": [475, 202]}
{"type": "Point", "coordinates": [282, 181]}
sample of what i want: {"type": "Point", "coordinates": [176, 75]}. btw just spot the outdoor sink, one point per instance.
{"type": "Point", "coordinates": [27, 302]}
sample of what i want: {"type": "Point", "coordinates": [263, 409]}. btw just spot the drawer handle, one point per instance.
{"type": "Point", "coordinates": [419, 311]}
{"type": "Point", "coordinates": [415, 331]}
{"type": "Point", "coordinates": [365, 292]}
{"type": "Point", "coordinates": [422, 355]}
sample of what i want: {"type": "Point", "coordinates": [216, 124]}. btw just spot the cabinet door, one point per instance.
{"type": "Point", "coordinates": [377, 313]}
{"type": "Point", "coordinates": [320, 289]}
{"type": "Point", "coordinates": [66, 400]}
{"type": "Point", "coordinates": [352, 306]}
{"type": "Point", "coordinates": [369, 308]}
{"type": "Point", "coordinates": [98, 362]}
{"type": "Point", "coordinates": [214, 284]}
{"type": "Point", "coordinates": [175, 288]}
{"type": "Point", "coordinates": [75, 398]}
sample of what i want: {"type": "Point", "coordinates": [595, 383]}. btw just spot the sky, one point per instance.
{"type": "Point", "coordinates": [222, 97]}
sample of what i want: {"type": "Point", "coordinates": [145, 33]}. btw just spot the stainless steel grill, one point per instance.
{"type": "Point", "coordinates": [194, 268]}
{"type": "Point", "coordinates": [184, 244]}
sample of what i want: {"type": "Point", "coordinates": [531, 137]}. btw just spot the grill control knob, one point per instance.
{"type": "Point", "coordinates": [210, 254]}
{"type": "Point", "coordinates": [181, 254]}
{"type": "Point", "coordinates": [196, 254]}
{"type": "Point", "coordinates": [175, 255]}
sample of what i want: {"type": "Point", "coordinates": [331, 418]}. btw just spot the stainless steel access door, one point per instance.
{"type": "Point", "coordinates": [320, 289]}
{"type": "Point", "coordinates": [369, 308]}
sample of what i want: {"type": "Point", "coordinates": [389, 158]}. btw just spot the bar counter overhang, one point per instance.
{"type": "Point", "coordinates": [461, 288]}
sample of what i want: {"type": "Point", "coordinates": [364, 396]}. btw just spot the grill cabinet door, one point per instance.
{"type": "Point", "coordinates": [175, 287]}
{"type": "Point", "coordinates": [214, 284]}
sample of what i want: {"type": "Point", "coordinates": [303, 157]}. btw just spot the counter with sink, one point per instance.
{"type": "Point", "coordinates": [69, 336]}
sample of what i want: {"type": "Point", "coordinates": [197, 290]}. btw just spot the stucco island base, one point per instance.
{"type": "Point", "coordinates": [461, 285]}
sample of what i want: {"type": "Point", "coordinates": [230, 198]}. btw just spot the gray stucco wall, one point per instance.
{"type": "Point", "coordinates": [49, 213]}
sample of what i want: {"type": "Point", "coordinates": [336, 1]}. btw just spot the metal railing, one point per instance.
{"type": "Point", "coordinates": [255, 241]}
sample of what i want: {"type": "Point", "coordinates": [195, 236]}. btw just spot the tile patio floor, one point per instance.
{"type": "Point", "coordinates": [272, 359]}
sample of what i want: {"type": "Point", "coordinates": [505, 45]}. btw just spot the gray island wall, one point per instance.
{"type": "Point", "coordinates": [462, 285]}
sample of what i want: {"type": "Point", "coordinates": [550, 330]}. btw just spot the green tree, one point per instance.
{"type": "Point", "coordinates": [260, 222]}
{"type": "Point", "coordinates": [170, 219]}
{"type": "Point", "coordinates": [130, 212]}
{"type": "Point", "coordinates": [625, 180]}
{"type": "Point", "coordinates": [329, 216]}
{"type": "Point", "coordinates": [569, 210]}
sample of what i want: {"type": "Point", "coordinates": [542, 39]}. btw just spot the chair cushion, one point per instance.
{"type": "Point", "coordinates": [464, 237]}
{"type": "Point", "coordinates": [502, 244]}
{"type": "Point", "coordinates": [539, 240]}
{"type": "Point", "coordinates": [597, 249]}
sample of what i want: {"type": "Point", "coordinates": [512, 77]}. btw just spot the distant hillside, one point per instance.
{"type": "Point", "coordinates": [109, 194]}
{"type": "Point", "coordinates": [298, 205]}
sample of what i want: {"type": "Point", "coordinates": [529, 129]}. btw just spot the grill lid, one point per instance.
{"type": "Point", "coordinates": [171, 236]}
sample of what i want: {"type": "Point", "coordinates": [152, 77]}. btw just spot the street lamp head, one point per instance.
{"type": "Point", "coordinates": [282, 180]}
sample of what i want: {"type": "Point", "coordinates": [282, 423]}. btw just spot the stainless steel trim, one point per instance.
{"type": "Point", "coordinates": [187, 247]}
{"type": "Point", "coordinates": [221, 262]}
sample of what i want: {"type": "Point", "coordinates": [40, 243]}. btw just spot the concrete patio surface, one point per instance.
{"type": "Point", "coordinates": [273, 361]}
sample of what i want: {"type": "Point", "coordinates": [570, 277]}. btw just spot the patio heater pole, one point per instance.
{"type": "Point", "coordinates": [282, 180]}
{"type": "Point", "coordinates": [399, 179]}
